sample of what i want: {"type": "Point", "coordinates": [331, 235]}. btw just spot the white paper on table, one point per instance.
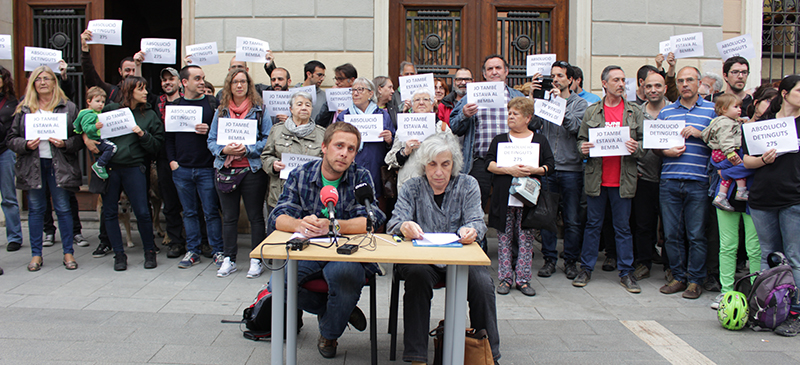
{"type": "Point", "coordinates": [35, 57]}
{"type": "Point", "coordinates": [663, 134]}
{"type": "Point", "coordinates": [241, 131]}
{"type": "Point", "coordinates": [5, 47]}
{"type": "Point", "coordinates": [513, 154]}
{"type": "Point", "coordinates": [410, 84]}
{"type": "Point", "coordinates": [44, 126]}
{"type": "Point", "coordinates": [251, 50]}
{"type": "Point", "coordinates": [415, 126]}
{"type": "Point", "coordinates": [609, 141]}
{"type": "Point", "coordinates": [293, 161]}
{"type": "Point", "coordinates": [630, 89]}
{"type": "Point", "coordinates": [311, 89]}
{"type": "Point", "coordinates": [687, 45]}
{"type": "Point", "coordinates": [116, 123]}
{"type": "Point", "coordinates": [277, 102]}
{"type": "Point", "coordinates": [664, 48]}
{"type": "Point", "coordinates": [203, 54]}
{"type": "Point", "coordinates": [105, 31]}
{"type": "Point", "coordinates": [762, 136]}
{"type": "Point", "coordinates": [182, 118]}
{"type": "Point", "coordinates": [541, 63]}
{"type": "Point", "coordinates": [369, 125]}
{"type": "Point", "coordinates": [338, 99]}
{"type": "Point", "coordinates": [159, 50]}
{"type": "Point", "coordinates": [550, 110]}
{"type": "Point", "coordinates": [741, 46]}
{"type": "Point", "coordinates": [487, 94]}
{"type": "Point", "coordinates": [437, 239]}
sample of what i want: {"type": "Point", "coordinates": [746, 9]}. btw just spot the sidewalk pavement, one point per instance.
{"type": "Point", "coordinates": [168, 315]}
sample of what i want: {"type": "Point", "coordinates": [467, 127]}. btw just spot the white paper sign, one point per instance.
{"type": "Point", "coordinates": [293, 161]}
{"type": "Point", "coordinates": [35, 57]}
{"type": "Point", "coordinates": [540, 63]}
{"type": "Point", "coordinates": [5, 47]}
{"type": "Point", "coordinates": [663, 134]}
{"type": "Point", "coordinates": [311, 89]}
{"type": "Point", "coordinates": [687, 45]}
{"type": "Point", "coordinates": [513, 154]}
{"type": "Point", "coordinates": [182, 118]}
{"type": "Point", "coordinates": [487, 94]}
{"type": "Point", "coordinates": [550, 110]}
{"type": "Point", "coordinates": [105, 31]}
{"type": "Point", "coordinates": [203, 54]}
{"type": "Point", "coordinates": [780, 134]}
{"type": "Point", "coordinates": [415, 126]}
{"type": "Point", "coordinates": [740, 46]}
{"type": "Point", "coordinates": [116, 123]}
{"type": "Point", "coordinates": [664, 48]}
{"type": "Point", "coordinates": [338, 99]}
{"type": "Point", "coordinates": [630, 89]}
{"type": "Point", "coordinates": [44, 126]}
{"type": "Point", "coordinates": [410, 84]}
{"type": "Point", "coordinates": [370, 126]}
{"type": "Point", "coordinates": [277, 102]}
{"type": "Point", "coordinates": [609, 141]}
{"type": "Point", "coordinates": [251, 50]}
{"type": "Point", "coordinates": [241, 131]}
{"type": "Point", "coordinates": [159, 50]}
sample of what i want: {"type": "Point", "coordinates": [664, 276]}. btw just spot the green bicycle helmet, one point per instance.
{"type": "Point", "coordinates": [733, 311]}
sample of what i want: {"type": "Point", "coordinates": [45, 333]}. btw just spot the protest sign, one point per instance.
{"type": "Point", "coordinates": [293, 161]}
{"type": "Point", "coordinates": [159, 50]}
{"type": "Point", "coordinates": [5, 47]}
{"type": "Point", "coordinates": [105, 31]}
{"type": "Point", "coordinates": [45, 125]}
{"type": "Point", "coordinates": [410, 84]}
{"type": "Point", "coordinates": [609, 141]}
{"type": "Point", "coordinates": [741, 46]}
{"type": "Point", "coordinates": [251, 50]}
{"type": "Point", "coordinates": [487, 94]}
{"type": "Point", "coordinates": [311, 89]}
{"type": "Point", "coordinates": [415, 126]}
{"type": "Point", "coordinates": [338, 99]}
{"type": "Point", "coordinates": [116, 123]}
{"type": "Point", "coordinates": [540, 63]}
{"type": "Point", "coordinates": [550, 110]}
{"type": "Point", "coordinates": [762, 136]}
{"type": "Point", "coordinates": [512, 154]}
{"type": "Point", "coordinates": [203, 54]}
{"type": "Point", "coordinates": [370, 126]}
{"type": "Point", "coordinates": [687, 45]}
{"type": "Point", "coordinates": [241, 131]}
{"type": "Point", "coordinates": [663, 134]}
{"type": "Point", "coordinates": [182, 118]}
{"type": "Point", "coordinates": [35, 57]}
{"type": "Point", "coordinates": [630, 89]}
{"type": "Point", "coordinates": [664, 48]}
{"type": "Point", "coordinates": [277, 102]}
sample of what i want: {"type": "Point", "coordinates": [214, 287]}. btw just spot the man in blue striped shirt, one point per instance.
{"type": "Point", "coordinates": [684, 188]}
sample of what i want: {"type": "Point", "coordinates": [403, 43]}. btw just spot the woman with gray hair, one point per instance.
{"type": "Point", "coordinates": [442, 200]}
{"type": "Point", "coordinates": [402, 156]}
{"type": "Point", "coordinates": [370, 154]}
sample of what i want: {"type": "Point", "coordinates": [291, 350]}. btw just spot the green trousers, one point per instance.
{"type": "Point", "coordinates": [729, 244]}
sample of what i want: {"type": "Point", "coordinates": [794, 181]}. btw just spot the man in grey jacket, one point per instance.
{"type": "Point", "coordinates": [568, 176]}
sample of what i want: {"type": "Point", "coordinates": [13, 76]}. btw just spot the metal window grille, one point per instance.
{"type": "Point", "coordinates": [780, 32]}
{"type": "Point", "coordinates": [433, 42]}
{"type": "Point", "coordinates": [519, 34]}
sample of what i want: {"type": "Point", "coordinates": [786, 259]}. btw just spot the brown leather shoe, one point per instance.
{"type": "Point", "coordinates": [673, 287]}
{"type": "Point", "coordinates": [693, 291]}
{"type": "Point", "coordinates": [326, 347]}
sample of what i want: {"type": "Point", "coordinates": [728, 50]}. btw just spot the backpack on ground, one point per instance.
{"type": "Point", "coordinates": [772, 293]}
{"type": "Point", "coordinates": [258, 317]}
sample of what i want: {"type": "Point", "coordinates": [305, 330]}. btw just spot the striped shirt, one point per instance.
{"type": "Point", "coordinates": [692, 164]}
{"type": "Point", "coordinates": [490, 122]}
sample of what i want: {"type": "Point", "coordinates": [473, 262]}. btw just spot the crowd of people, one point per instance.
{"type": "Point", "coordinates": [681, 207]}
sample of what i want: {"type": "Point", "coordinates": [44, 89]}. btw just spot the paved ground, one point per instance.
{"type": "Point", "coordinates": [170, 315]}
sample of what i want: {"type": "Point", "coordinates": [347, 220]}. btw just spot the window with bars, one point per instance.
{"type": "Point", "coordinates": [780, 33]}
{"type": "Point", "coordinates": [519, 34]}
{"type": "Point", "coordinates": [433, 43]}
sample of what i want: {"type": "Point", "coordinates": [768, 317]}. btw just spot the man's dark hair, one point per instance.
{"type": "Point", "coordinates": [489, 57]}
{"type": "Point", "coordinates": [185, 71]}
{"type": "Point", "coordinates": [645, 70]}
{"type": "Point", "coordinates": [288, 76]}
{"type": "Point", "coordinates": [732, 61]}
{"type": "Point", "coordinates": [578, 75]}
{"type": "Point", "coordinates": [348, 70]}
{"type": "Point", "coordinates": [567, 68]}
{"type": "Point", "coordinates": [126, 59]}
{"type": "Point", "coordinates": [311, 66]}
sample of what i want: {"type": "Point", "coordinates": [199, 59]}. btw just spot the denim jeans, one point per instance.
{"type": "Point", "coordinates": [190, 183]}
{"type": "Point", "coordinates": [133, 180]}
{"type": "Point", "coordinates": [684, 209]}
{"type": "Point", "coordinates": [570, 185]}
{"type": "Point", "coordinates": [37, 202]}
{"type": "Point", "coordinates": [779, 230]}
{"type": "Point", "coordinates": [620, 218]}
{"type": "Point", "coordinates": [253, 188]}
{"type": "Point", "coordinates": [345, 280]}
{"type": "Point", "coordinates": [419, 282]}
{"type": "Point", "coordinates": [9, 193]}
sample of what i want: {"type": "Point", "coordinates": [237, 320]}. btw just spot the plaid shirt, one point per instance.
{"type": "Point", "coordinates": [300, 195]}
{"type": "Point", "coordinates": [161, 105]}
{"type": "Point", "coordinates": [489, 122]}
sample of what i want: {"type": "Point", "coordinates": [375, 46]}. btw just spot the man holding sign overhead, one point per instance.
{"type": "Point", "coordinates": [610, 177]}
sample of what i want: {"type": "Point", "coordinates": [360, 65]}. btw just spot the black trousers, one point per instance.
{"type": "Point", "coordinates": [253, 189]}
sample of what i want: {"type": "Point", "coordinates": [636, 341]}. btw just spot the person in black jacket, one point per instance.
{"type": "Point", "coordinates": [8, 102]}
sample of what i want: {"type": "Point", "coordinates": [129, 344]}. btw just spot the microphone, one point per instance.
{"type": "Point", "coordinates": [329, 197]}
{"type": "Point", "coordinates": [365, 197]}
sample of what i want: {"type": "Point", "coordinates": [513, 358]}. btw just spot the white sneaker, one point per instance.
{"type": "Point", "coordinates": [218, 258]}
{"type": "Point", "coordinates": [80, 240]}
{"type": "Point", "coordinates": [49, 240]}
{"type": "Point", "coordinates": [228, 267]}
{"type": "Point", "coordinates": [255, 269]}
{"type": "Point", "coordinates": [715, 303]}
